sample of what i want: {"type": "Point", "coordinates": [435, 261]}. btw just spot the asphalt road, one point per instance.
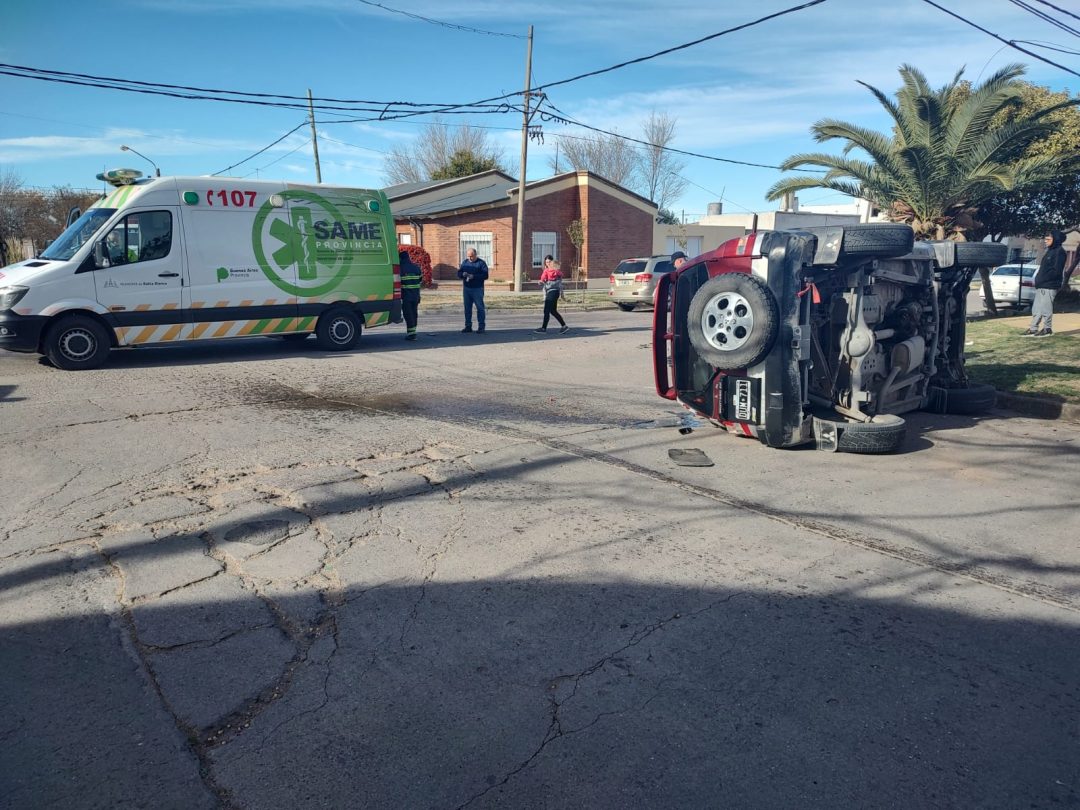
{"type": "Point", "coordinates": [464, 572]}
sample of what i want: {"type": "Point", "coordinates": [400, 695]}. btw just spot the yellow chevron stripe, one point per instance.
{"type": "Point", "coordinates": [225, 327]}
{"type": "Point", "coordinates": [247, 328]}
{"type": "Point", "coordinates": [196, 333]}
{"type": "Point", "coordinates": [145, 334]}
{"type": "Point", "coordinates": [173, 333]}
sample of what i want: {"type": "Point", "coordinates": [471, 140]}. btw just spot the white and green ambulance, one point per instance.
{"type": "Point", "coordinates": [167, 259]}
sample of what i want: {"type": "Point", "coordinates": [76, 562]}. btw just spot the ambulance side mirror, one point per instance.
{"type": "Point", "coordinates": [100, 255]}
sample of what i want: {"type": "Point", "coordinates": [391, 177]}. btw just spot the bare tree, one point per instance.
{"type": "Point", "coordinates": [436, 149]}
{"type": "Point", "coordinates": [659, 172]}
{"type": "Point", "coordinates": [609, 156]}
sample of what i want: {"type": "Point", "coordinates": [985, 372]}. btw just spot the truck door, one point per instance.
{"type": "Point", "coordinates": [141, 282]}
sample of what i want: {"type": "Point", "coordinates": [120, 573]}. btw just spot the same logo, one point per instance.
{"type": "Point", "coordinates": [315, 245]}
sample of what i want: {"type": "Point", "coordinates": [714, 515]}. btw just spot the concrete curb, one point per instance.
{"type": "Point", "coordinates": [1039, 407]}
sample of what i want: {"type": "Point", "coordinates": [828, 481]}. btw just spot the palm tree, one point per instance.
{"type": "Point", "coordinates": [947, 152]}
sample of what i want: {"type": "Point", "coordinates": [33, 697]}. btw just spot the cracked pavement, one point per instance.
{"type": "Point", "coordinates": [463, 573]}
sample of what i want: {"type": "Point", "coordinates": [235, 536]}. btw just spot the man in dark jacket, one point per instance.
{"type": "Point", "coordinates": [410, 292]}
{"type": "Point", "coordinates": [473, 273]}
{"type": "Point", "coordinates": [1048, 280]}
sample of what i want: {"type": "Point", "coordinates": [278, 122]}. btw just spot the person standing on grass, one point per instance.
{"type": "Point", "coordinates": [1048, 279]}
{"type": "Point", "coordinates": [473, 273]}
{"type": "Point", "coordinates": [552, 282]}
{"type": "Point", "coordinates": [410, 292]}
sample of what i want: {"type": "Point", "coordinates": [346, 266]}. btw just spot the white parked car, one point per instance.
{"type": "Point", "coordinates": [1009, 286]}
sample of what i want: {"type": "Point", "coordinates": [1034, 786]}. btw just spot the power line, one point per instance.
{"type": "Point", "coordinates": [1047, 46]}
{"type": "Point", "coordinates": [354, 145]}
{"type": "Point", "coordinates": [444, 24]}
{"type": "Point", "coordinates": [265, 148]}
{"type": "Point", "coordinates": [278, 100]}
{"type": "Point", "coordinates": [1042, 15]}
{"type": "Point", "coordinates": [559, 117]}
{"type": "Point", "coordinates": [666, 51]}
{"type": "Point", "coordinates": [1056, 8]}
{"type": "Point", "coordinates": [276, 160]}
{"type": "Point", "coordinates": [1010, 43]}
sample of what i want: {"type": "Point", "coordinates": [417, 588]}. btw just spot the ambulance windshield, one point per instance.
{"type": "Point", "coordinates": [77, 234]}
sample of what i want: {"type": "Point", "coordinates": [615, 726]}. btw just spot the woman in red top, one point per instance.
{"type": "Point", "coordinates": [552, 282]}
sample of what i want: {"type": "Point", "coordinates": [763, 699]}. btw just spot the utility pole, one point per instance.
{"type": "Point", "coordinates": [314, 138]}
{"type": "Point", "coordinates": [519, 261]}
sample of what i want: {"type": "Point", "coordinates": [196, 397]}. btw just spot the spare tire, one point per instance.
{"type": "Point", "coordinates": [877, 240]}
{"type": "Point", "coordinates": [883, 434]}
{"type": "Point", "coordinates": [981, 254]}
{"type": "Point", "coordinates": [733, 321]}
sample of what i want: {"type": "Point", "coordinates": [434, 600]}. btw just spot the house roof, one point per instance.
{"type": "Point", "coordinates": [403, 190]}
{"type": "Point", "coordinates": [495, 192]}
{"type": "Point", "coordinates": [499, 191]}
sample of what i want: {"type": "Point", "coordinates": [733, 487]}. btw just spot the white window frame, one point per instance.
{"type": "Point", "coordinates": [690, 249]}
{"type": "Point", "coordinates": [483, 242]}
{"type": "Point", "coordinates": [543, 243]}
{"type": "Point", "coordinates": [404, 238]}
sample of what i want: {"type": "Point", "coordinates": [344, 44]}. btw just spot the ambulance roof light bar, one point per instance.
{"type": "Point", "coordinates": [120, 177]}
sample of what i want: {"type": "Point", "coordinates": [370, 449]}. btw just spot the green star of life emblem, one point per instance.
{"type": "Point", "coordinates": [293, 247]}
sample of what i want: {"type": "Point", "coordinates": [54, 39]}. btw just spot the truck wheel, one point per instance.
{"type": "Point", "coordinates": [338, 330]}
{"type": "Point", "coordinates": [976, 398]}
{"type": "Point", "coordinates": [626, 307]}
{"type": "Point", "coordinates": [733, 321]}
{"type": "Point", "coordinates": [884, 434]}
{"type": "Point", "coordinates": [877, 240]}
{"type": "Point", "coordinates": [981, 254]}
{"type": "Point", "coordinates": [76, 342]}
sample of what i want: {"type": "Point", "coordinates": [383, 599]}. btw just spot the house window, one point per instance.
{"type": "Point", "coordinates": [480, 242]}
{"type": "Point", "coordinates": [693, 245]}
{"type": "Point", "coordinates": [404, 238]}
{"type": "Point", "coordinates": [543, 244]}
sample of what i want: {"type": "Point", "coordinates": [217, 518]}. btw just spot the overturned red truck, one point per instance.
{"type": "Point", "coordinates": [824, 335]}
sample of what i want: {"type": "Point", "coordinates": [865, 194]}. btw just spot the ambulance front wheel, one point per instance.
{"type": "Point", "coordinates": [76, 342]}
{"type": "Point", "coordinates": [338, 330]}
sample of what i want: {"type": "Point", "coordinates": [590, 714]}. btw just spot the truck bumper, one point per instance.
{"type": "Point", "coordinates": [21, 333]}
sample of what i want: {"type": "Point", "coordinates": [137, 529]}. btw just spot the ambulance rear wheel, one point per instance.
{"type": "Point", "coordinates": [338, 330]}
{"type": "Point", "coordinates": [76, 342]}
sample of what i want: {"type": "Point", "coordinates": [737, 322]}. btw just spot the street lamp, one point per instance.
{"type": "Point", "coordinates": [157, 171]}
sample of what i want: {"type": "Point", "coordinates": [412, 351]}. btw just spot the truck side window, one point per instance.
{"type": "Point", "coordinates": [140, 237]}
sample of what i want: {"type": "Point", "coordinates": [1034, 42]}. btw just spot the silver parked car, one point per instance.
{"type": "Point", "coordinates": [1009, 286]}
{"type": "Point", "coordinates": [634, 280]}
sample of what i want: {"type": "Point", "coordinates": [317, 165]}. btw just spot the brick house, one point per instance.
{"type": "Point", "coordinates": [480, 211]}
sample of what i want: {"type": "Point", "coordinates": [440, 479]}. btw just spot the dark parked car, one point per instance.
{"type": "Point", "coordinates": [821, 336]}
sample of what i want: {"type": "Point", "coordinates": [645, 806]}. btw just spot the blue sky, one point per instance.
{"type": "Point", "coordinates": [748, 96]}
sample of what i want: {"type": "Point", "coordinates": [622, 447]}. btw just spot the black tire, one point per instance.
{"type": "Point", "coordinates": [976, 398]}
{"type": "Point", "coordinates": [876, 240]}
{"type": "Point", "coordinates": [338, 330]}
{"type": "Point", "coordinates": [883, 435]}
{"type": "Point", "coordinates": [733, 321]}
{"type": "Point", "coordinates": [981, 254]}
{"type": "Point", "coordinates": [76, 343]}
{"type": "Point", "coordinates": [626, 307]}
{"type": "Point", "coordinates": [295, 337]}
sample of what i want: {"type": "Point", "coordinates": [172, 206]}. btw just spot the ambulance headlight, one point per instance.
{"type": "Point", "coordinates": [10, 296]}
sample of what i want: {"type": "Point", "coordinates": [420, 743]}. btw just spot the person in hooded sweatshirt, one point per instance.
{"type": "Point", "coordinates": [1048, 280]}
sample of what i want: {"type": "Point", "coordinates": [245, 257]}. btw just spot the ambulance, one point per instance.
{"type": "Point", "coordinates": [165, 259]}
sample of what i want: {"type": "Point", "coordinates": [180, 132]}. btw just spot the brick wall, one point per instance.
{"type": "Point", "coordinates": [616, 230]}
{"type": "Point", "coordinates": [442, 242]}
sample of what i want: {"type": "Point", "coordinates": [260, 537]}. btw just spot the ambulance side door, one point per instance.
{"type": "Point", "coordinates": [228, 241]}
{"type": "Point", "coordinates": [141, 283]}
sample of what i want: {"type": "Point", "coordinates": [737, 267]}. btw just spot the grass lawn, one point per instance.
{"type": "Point", "coordinates": [1048, 366]}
